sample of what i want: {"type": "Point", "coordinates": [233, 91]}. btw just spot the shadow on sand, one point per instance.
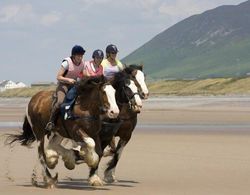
{"type": "Point", "coordinates": [82, 184]}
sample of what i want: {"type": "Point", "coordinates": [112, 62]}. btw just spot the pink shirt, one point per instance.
{"type": "Point", "coordinates": [89, 69]}
{"type": "Point", "coordinates": [74, 71]}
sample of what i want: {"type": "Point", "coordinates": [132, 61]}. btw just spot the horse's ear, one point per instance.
{"type": "Point", "coordinates": [128, 69]}
{"type": "Point", "coordinates": [133, 73]}
{"type": "Point", "coordinates": [94, 83]}
{"type": "Point", "coordinates": [95, 80]}
{"type": "Point", "coordinates": [141, 66]}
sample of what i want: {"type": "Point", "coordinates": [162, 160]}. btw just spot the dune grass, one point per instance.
{"type": "Point", "coordinates": [25, 92]}
{"type": "Point", "coordinates": [213, 86]}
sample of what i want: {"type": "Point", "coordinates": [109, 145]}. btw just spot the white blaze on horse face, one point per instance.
{"type": "Point", "coordinates": [141, 80]}
{"type": "Point", "coordinates": [134, 89]}
{"type": "Point", "coordinates": [113, 110]}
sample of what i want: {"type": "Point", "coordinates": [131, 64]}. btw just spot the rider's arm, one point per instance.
{"type": "Point", "coordinates": [61, 77]}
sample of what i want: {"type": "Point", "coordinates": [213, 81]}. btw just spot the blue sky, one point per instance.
{"type": "Point", "coordinates": [36, 35]}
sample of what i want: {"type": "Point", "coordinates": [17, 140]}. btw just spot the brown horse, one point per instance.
{"type": "Point", "coordinates": [95, 97]}
{"type": "Point", "coordinates": [129, 121]}
{"type": "Point", "coordinates": [128, 99]}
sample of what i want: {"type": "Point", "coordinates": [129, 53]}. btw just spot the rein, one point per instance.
{"type": "Point", "coordinates": [129, 98]}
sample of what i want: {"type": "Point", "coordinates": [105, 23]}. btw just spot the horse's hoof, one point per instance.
{"type": "Point", "coordinates": [110, 180]}
{"type": "Point", "coordinates": [34, 182]}
{"type": "Point", "coordinates": [50, 186]}
{"type": "Point", "coordinates": [52, 163]}
{"type": "Point", "coordinates": [109, 177]}
{"type": "Point", "coordinates": [95, 180]}
{"type": "Point", "coordinates": [51, 158]}
{"type": "Point", "coordinates": [69, 165]}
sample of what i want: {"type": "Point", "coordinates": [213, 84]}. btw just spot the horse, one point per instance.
{"type": "Point", "coordinates": [129, 121]}
{"type": "Point", "coordinates": [129, 101]}
{"type": "Point", "coordinates": [96, 101]}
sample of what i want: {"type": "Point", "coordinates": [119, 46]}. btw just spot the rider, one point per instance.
{"type": "Point", "coordinates": [91, 68]}
{"type": "Point", "coordinates": [111, 64]}
{"type": "Point", "coordinates": [70, 70]}
{"type": "Point", "coordinates": [94, 67]}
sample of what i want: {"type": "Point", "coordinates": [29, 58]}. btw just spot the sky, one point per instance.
{"type": "Point", "coordinates": [35, 36]}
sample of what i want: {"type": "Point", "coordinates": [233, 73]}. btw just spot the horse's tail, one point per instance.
{"type": "Point", "coordinates": [26, 138]}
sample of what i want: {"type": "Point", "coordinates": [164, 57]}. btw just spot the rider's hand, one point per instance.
{"type": "Point", "coordinates": [71, 81]}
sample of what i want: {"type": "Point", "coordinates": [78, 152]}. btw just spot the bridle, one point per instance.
{"type": "Point", "coordinates": [140, 93]}
{"type": "Point", "coordinates": [129, 98]}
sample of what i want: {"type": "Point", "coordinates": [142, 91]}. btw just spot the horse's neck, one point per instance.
{"type": "Point", "coordinates": [126, 112]}
{"type": "Point", "coordinates": [89, 100]}
{"type": "Point", "coordinates": [121, 97]}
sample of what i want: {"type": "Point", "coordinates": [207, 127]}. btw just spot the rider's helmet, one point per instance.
{"type": "Point", "coordinates": [77, 50]}
{"type": "Point", "coordinates": [111, 49]}
{"type": "Point", "coordinates": [98, 54]}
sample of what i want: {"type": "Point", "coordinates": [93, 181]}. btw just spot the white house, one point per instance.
{"type": "Point", "coordinates": [8, 84]}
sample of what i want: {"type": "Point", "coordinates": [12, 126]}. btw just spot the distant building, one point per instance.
{"type": "Point", "coordinates": [8, 84]}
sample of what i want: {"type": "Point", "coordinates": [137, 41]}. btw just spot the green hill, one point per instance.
{"type": "Point", "coordinates": [215, 43]}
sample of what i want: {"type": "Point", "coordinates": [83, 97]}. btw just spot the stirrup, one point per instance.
{"type": "Point", "coordinates": [50, 126]}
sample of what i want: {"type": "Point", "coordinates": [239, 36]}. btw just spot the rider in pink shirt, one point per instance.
{"type": "Point", "coordinates": [91, 68]}
{"type": "Point", "coordinates": [66, 76]}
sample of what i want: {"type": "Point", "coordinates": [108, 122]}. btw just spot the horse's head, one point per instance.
{"type": "Point", "coordinates": [126, 91]}
{"type": "Point", "coordinates": [137, 75]}
{"type": "Point", "coordinates": [104, 93]}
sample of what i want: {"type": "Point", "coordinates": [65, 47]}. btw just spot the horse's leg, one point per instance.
{"type": "Point", "coordinates": [55, 146]}
{"type": "Point", "coordinates": [88, 147]}
{"type": "Point", "coordinates": [94, 178]}
{"type": "Point", "coordinates": [49, 181]}
{"type": "Point", "coordinates": [109, 173]}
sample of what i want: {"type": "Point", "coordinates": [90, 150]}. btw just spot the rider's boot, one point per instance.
{"type": "Point", "coordinates": [52, 119]}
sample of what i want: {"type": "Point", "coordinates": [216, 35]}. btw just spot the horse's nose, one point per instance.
{"type": "Point", "coordinates": [137, 108]}
{"type": "Point", "coordinates": [145, 95]}
{"type": "Point", "coordinates": [113, 113]}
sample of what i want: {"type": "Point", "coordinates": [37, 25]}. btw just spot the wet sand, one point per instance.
{"type": "Point", "coordinates": [180, 146]}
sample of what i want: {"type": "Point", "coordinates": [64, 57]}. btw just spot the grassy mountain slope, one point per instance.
{"type": "Point", "coordinates": [215, 43]}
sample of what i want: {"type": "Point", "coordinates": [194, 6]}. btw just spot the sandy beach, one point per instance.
{"type": "Point", "coordinates": [181, 145]}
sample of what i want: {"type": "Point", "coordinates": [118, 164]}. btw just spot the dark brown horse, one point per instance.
{"type": "Point", "coordinates": [129, 121]}
{"type": "Point", "coordinates": [95, 97]}
{"type": "Point", "coordinates": [137, 75]}
{"type": "Point", "coordinates": [128, 100]}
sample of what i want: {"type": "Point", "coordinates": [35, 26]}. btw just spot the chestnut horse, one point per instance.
{"type": "Point", "coordinates": [128, 99]}
{"type": "Point", "coordinates": [129, 120]}
{"type": "Point", "coordinates": [95, 97]}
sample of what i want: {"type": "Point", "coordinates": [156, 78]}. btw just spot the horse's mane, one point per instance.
{"type": "Point", "coordinates": [130, 68]}
{"type": "Point", "coordinates": [88, 83]}
{"type": "Point", "coordinates": [119, 77]}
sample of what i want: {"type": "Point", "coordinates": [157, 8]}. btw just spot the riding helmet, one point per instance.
{"type": "Point", "coordinates": [111, 49]}
{"type": "Point", "coordinates": [98, 54]}
{"type": "Point", "coordinates": [77, 50]}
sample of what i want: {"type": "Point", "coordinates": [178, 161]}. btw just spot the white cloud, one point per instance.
{"type": "Point", "coordinates": [51, 18]}
{"type": "Point", "coordinates": [16, 13]}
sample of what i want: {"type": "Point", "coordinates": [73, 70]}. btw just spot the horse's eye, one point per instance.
{"type": "Point", "coordinates": [130, 93]}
